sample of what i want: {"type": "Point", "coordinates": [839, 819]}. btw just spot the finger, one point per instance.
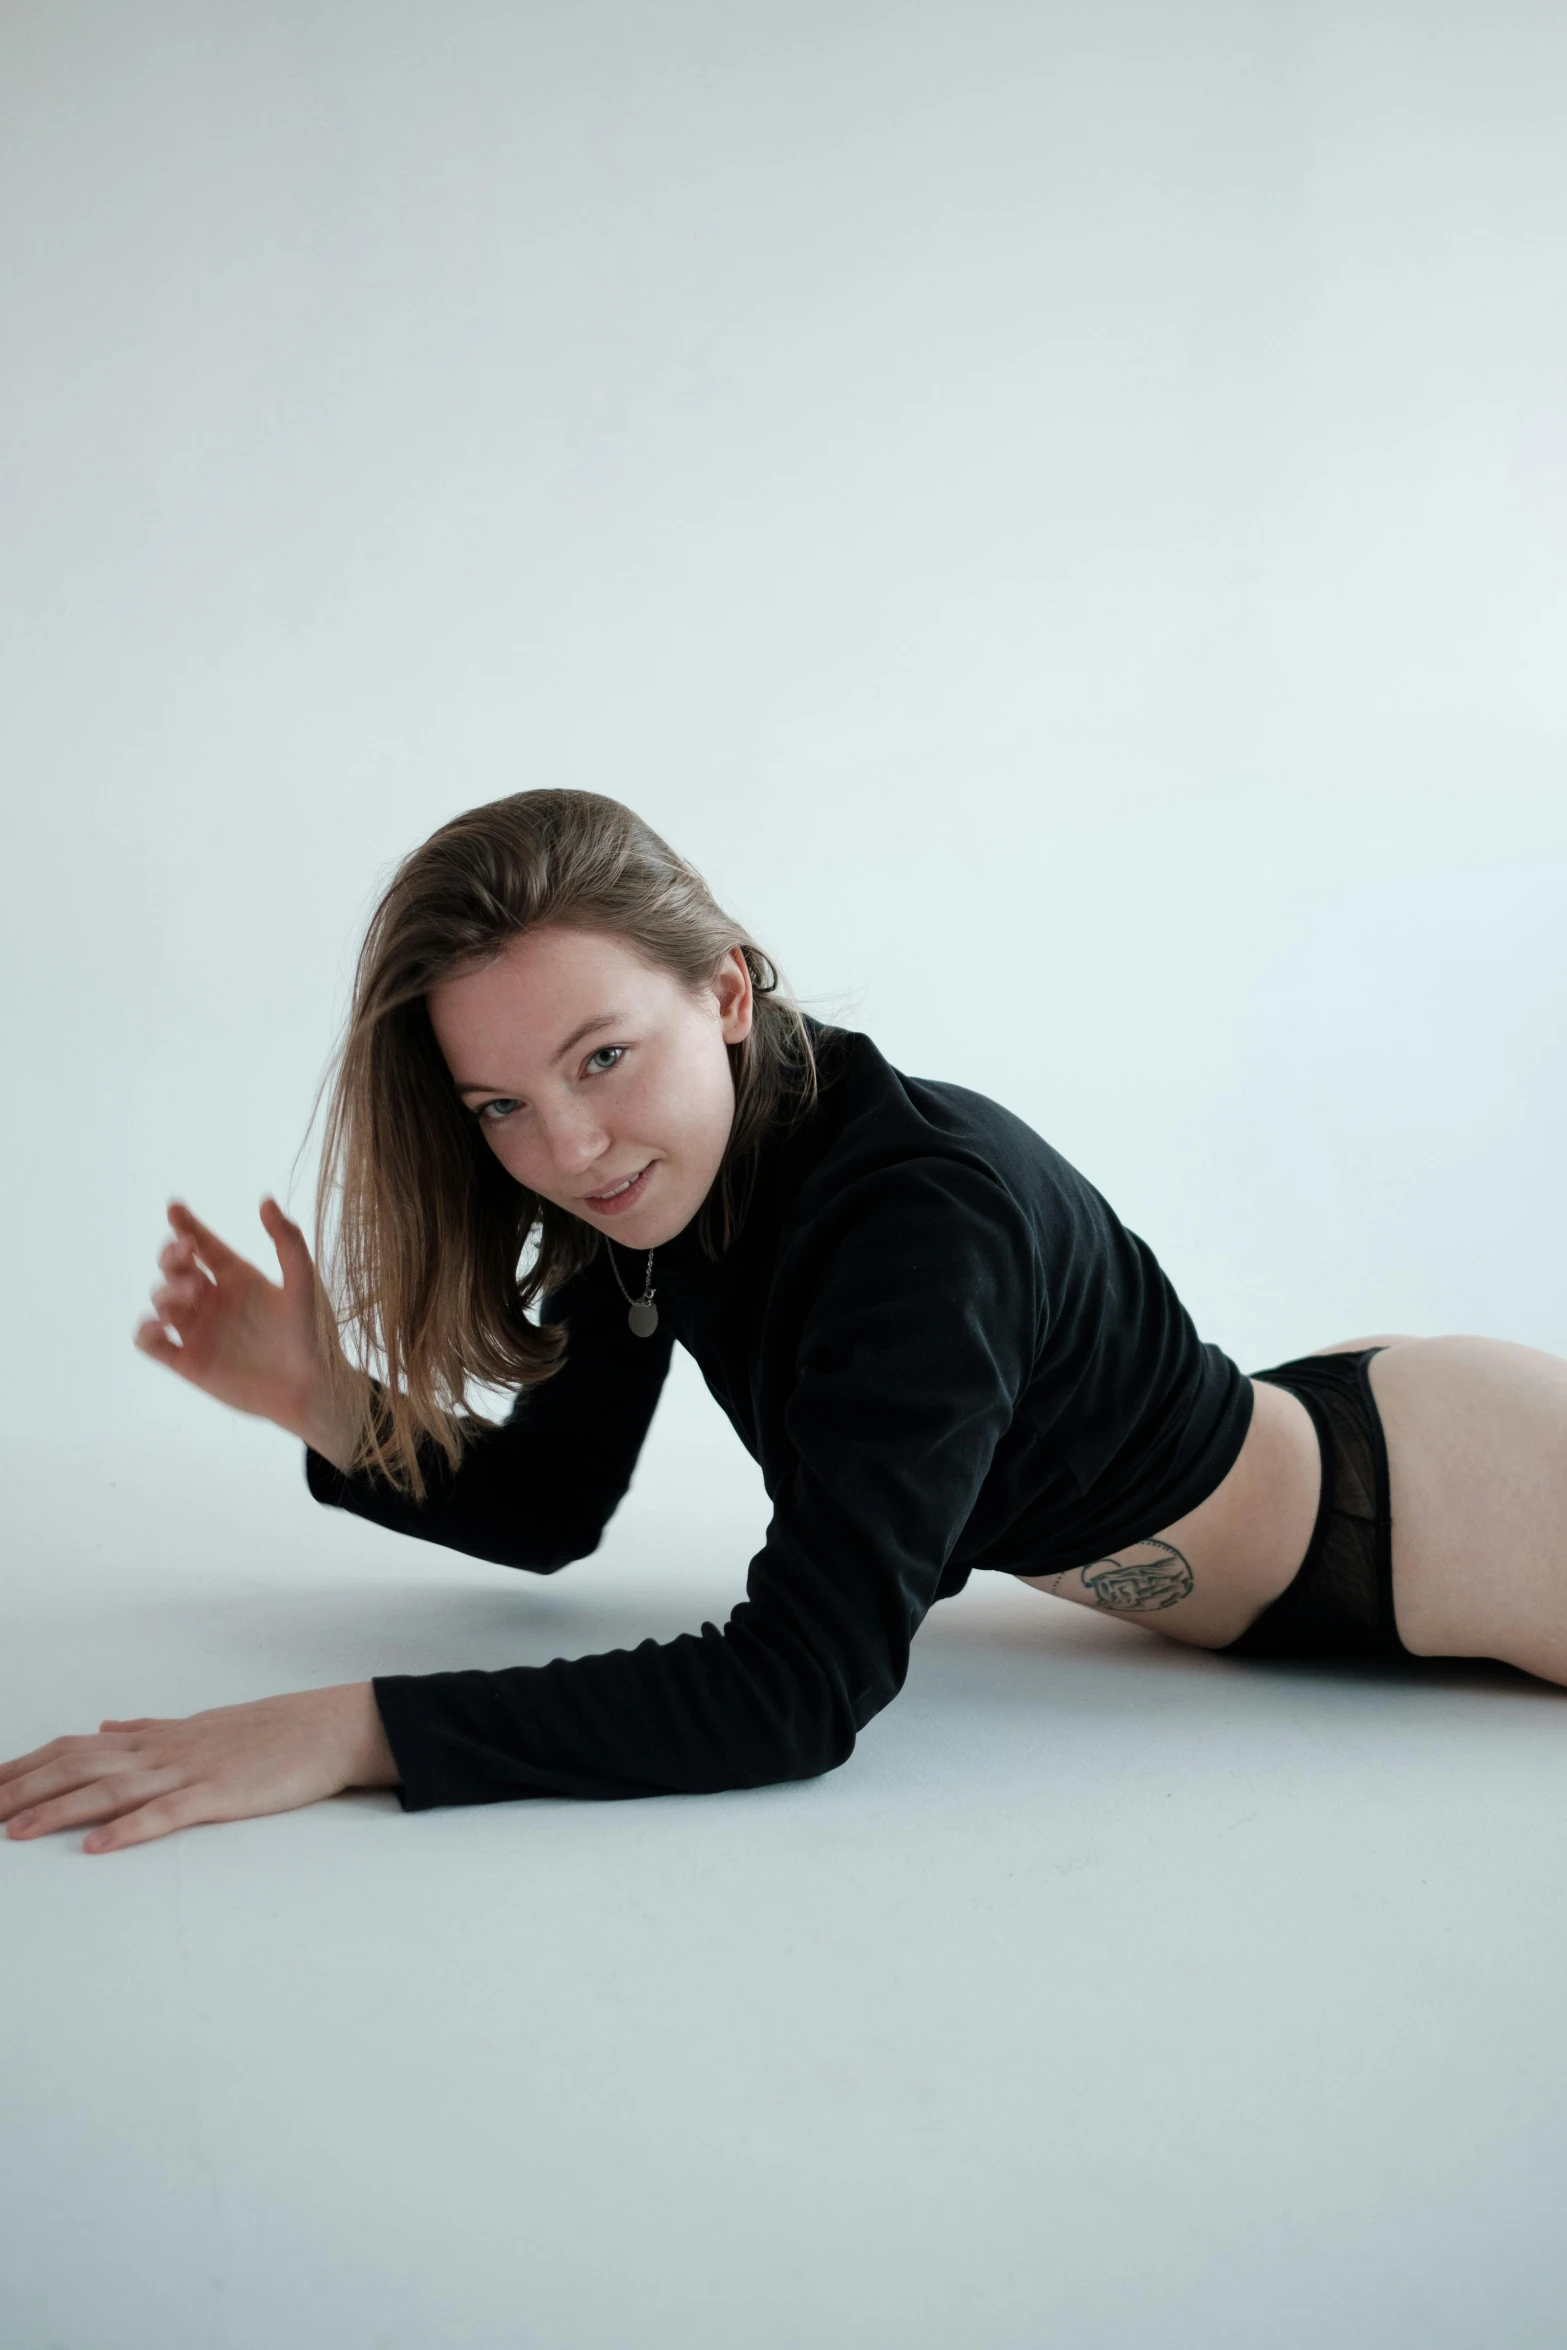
{"type": "Point", "coordinates": [105, 1799]}
{"type": "Point", "coordinates": [80, 1744]}
{"type": "Point", "coordinates": [188, 1288]}
{"type": "Point", "coordinates": [217, 1253]}
{"type": "Point", "coordinates": [178, 1298]}
{"type": "Point", "coordinates": [20, 1764]}
{"type": "Point", "coordinates": [142, 1722]}
{"type": "Point", "coordinates": [179, 1256]}
{"type": "Point", "coordinates": [183, 1809]}
{"type": "Point", "coordinates": [154, 1340]}
{"type": "Point", "coordinates": [293, 1250]}
{"type": "Point", "coordinates": [63, 1776]}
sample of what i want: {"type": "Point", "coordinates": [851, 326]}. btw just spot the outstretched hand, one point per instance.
{"type": "Point", "coordinates": [142, 1779]}
{"type": "Point", "coordinates": [218, 1322]}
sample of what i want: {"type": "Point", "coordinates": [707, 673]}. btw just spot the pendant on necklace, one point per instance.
{"type": "Point", "coordinates": [643, 1316]}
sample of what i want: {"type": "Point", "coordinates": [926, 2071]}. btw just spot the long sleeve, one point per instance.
{"type": "Point", "coordinates": [537, 1490]}
{"type": "Point", "coordinates": [902, 1372]}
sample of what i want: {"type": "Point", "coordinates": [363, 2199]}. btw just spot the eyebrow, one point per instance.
{"type": "Point", "coordinates": [599, 1020]}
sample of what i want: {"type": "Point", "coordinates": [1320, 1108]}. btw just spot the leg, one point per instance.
{"type": "Point", "coordinates": [1476, 1433]}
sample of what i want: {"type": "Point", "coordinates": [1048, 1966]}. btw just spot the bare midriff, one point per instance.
{"type": "Point", "coordinates": [1207, 1577]}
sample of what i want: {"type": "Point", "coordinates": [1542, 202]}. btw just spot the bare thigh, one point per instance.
{"type": "Point", "coordinates": [1477, 1471]}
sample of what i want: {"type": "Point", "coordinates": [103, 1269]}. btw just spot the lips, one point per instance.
{"type": "Point", "coordinates": [619, 1195]}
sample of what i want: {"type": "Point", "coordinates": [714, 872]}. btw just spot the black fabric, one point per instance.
{"type": "Point", "coordinates": [1340, 1602]}
{"type": "Point", "coordinates": [945, 1352]}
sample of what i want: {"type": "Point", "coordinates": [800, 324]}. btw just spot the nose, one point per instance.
{"type": "Point", "coordinates": [574, 1137]}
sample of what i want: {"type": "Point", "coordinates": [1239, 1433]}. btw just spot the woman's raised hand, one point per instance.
{"type": "Point", "coordinates": [237, 1335]}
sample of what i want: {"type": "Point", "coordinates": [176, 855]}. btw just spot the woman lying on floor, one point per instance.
{"type": "Point", "coordinates": [936, 1338]}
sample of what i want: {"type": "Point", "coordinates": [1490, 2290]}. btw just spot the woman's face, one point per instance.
{"type": "Point", "coordinates": [584, 1065]}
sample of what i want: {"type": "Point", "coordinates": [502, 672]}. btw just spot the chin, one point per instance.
{"type": "Point", "coordinates": [645, 1227]}
{"type": "Point", "coordinates": [653, 1231]}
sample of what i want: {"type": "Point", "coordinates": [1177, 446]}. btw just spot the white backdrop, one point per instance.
{"type": "Point", "coordinates": [1060, 510]}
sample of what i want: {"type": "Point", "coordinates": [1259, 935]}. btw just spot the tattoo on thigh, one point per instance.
{"type": "Point", "coordinates": [1157, 1579]}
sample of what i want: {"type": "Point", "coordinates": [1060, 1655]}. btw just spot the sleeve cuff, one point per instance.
{"type": "Point", "coordinates": [326, 1482]}
{"type": "Point", "coordinates": [422, 1751]}
{"type": "Point", "coordinates": [416, 1767]}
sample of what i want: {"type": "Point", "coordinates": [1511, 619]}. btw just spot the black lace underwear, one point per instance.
{"type": "Point", "coordinates": [1340, 1602]}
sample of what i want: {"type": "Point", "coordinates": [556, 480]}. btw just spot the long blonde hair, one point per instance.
{"type": "Point", "coordinates": [421, 1289]}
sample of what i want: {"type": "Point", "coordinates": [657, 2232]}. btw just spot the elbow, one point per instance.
{"type": "Point", "coordinates": [558, 1546]}
{"type": "Point", "coordinates": [831, 1753]}
{"type": "Point", "coordinates": [565, 1539]}
{"type": "Point", "coordinates": [805, 1712]}
{"type": "Point", "coordinates": [812, 1758]}
{"type": "Point", "coordinates": [821, 1739]}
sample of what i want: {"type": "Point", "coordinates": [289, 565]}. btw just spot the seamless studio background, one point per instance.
{"type": "Point", "coordinates": [1061, 511]}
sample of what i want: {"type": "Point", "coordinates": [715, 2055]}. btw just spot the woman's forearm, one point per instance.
{"type": "Point", "coordinates": [332, 1434]}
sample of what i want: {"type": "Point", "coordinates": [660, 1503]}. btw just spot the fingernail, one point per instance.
{"type": "Point", "coordinates": [21, 1820]}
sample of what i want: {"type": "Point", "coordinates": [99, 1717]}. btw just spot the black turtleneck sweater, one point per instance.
{"type": "Point", "coordinates": [945, 1352]}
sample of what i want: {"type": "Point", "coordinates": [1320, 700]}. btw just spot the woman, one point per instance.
{"type": "Point", "coordinates": [937, 1339]}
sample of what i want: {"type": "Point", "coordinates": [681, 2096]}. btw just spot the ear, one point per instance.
{"type": "Point", "coordinates": [736, 1005]}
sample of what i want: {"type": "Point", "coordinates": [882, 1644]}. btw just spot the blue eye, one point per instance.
{"type": "Point", "coordinates": [503, 1104]}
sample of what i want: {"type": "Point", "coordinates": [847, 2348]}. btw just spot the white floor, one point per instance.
{"type": "Point", "coordinates": [1112, 1995]}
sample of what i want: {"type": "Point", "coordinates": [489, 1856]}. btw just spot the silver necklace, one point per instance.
{"type": "Point", "coordinates": [643, 1316]}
